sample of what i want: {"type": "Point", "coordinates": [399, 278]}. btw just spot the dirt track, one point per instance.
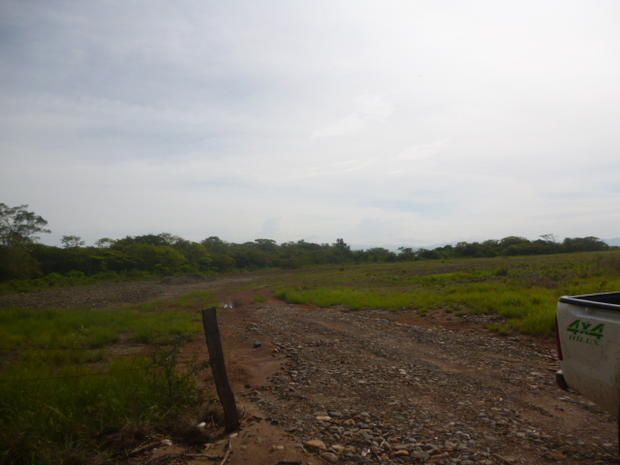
{"type": "Point", "coordinates": [390, 392]}
{"type": "Point", "coordinates": [378, 387]}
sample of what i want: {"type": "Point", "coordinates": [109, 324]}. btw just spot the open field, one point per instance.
{"type": "Point", "coordinates": [401, 352]}
{"type": "Point", "coordinates": [523, 291]}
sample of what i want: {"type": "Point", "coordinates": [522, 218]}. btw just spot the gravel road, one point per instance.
{"type": "Point", "coordinates": [357, 387]}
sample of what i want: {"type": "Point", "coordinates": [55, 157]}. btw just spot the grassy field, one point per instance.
{"type": "Point", "coordinates": [523, 290]}
{"type": "Point", "coordinates": [73, 383]}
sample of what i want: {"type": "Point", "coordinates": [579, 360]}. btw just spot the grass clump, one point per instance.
{"type": "Point", "coordinates": [63, 415]}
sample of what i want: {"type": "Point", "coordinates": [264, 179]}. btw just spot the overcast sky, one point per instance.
{"type": "Point", "coordinates": [385, 123]}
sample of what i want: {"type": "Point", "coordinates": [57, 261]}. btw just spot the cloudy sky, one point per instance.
{"type": "Point", "coordinates": [385, 123]}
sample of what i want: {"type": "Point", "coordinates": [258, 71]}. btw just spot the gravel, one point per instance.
{"type": "Point", "coordinates": [378, 391]}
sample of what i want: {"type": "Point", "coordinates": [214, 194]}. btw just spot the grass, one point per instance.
{"type": "Point", "coordinates": [67, 391]}
{"type": "Point", "coordinates": [152, 323]}
{"type": "Point", "coordinates": [523, 290]}
{"type": "Point", "coordinates": [70, 279]}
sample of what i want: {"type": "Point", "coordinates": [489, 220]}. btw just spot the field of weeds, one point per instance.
{"type": "Point", "coordinates": [82, 385]}
{"type": "Point", "coordinates": [522, 290]}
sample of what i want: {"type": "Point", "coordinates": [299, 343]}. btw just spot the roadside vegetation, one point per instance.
{"type": "Point", "coordinates": [522, 290]}
{"type": "Point", "coordinates": [86, 385]}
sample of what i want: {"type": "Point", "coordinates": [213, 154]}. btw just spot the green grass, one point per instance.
{"type": "Point", "coordinates": [70, 279]}
{"type": "Point", "coordinates": [68, 387]}
{"type": "Point", "coordinates": [69, 328]}
{"type": "Point", "coordinates": [53, 415]}
{"type": "Point", "coordinates": [523, 290]}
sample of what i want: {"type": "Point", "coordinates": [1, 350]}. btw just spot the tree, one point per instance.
{"type": "Point", "coordinates": [104, 243]}
{"type": "Point", "coordinates": [406, 254]}
{"type": "Point", "coordinates": [549, 237]}
{"type": "Point", "coordinates": [19, 226]}
{"type": "Point", "coordinates": [71, 242]}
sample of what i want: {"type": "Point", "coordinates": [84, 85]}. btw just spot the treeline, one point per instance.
{"type": "Point", "coordinates": [21, 257]}
{"type": "Point", "coordinates": [514, 245]}
{"type": "Point", "coordinates": [165, 254]}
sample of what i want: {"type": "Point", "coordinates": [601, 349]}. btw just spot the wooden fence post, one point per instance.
{"type": "Point", "coordinates": [216, 360]}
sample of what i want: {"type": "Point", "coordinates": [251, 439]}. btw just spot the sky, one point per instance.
{"type": "Point", "coordinates": [385, 123]}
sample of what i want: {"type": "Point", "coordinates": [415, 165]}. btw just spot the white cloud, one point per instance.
{"type": "Point", "coordinates": [405, 122]}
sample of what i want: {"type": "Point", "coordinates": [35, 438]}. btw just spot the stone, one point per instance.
{"type": "Point", "coordinates": [330, 457]}
{"type": "Point", "coordinates": [421, 455]}
{"type": "Point", "coordinates": [316, 444]}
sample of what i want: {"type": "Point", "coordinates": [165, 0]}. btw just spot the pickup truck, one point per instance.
{"type": "Point", "coordinates": [588, 339]}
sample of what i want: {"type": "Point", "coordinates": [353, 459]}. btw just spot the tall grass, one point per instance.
{"type": "Point", "coordinates": [67, 387]}
{"type": "Point", "coordinates": [53, 415]}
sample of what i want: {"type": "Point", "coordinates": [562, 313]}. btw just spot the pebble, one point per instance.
{"type": "Point", "coordinates": [330, 457]}
{"type": "Point", "coordinates": [316, 444]}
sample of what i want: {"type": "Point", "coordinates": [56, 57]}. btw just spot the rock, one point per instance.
{"type": "Point", "coordinates": [257, 344]}
{"type": "Point", "coordinates": [166, 442]}
{"type": "Point", "coordinates": [339, 448]}
{"type": "Point", "coordinates": [316, 444]}
{"type": "Point", "coordinates": [330, 457]}
{"type": "Point", "coordinates": [323, 418]}
{"type": "Point", "coordinates": [421, 455]}
{"type": "Point", "coordinates": [400, 452]}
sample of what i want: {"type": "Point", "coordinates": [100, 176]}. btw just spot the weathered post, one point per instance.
{"type": "Point", "coordinates": [216, 360]}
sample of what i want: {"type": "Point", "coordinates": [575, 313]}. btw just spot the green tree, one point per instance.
{"type": "Point", "coordinates": [19, 226]}
{"type": "Point", "coordinates": [71, 242]}
{"type": "Point", "coordinates": [104, 243]}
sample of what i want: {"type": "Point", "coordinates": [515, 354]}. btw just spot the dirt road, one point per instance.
{"type": "Point", "coordinates": [369, 389]}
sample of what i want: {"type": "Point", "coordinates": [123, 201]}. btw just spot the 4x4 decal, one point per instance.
{"type": "Point", "coordinates": [586, 332]}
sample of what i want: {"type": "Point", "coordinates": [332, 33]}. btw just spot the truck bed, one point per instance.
{"type": "Point", "coordinates": [607, 300]}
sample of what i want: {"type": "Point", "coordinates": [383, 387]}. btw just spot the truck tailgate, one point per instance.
{"type": "Point", "coordinates": [589, 332]}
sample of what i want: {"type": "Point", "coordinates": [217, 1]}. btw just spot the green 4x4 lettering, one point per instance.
{"type": "Point", "coordinates": [587, 329]}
